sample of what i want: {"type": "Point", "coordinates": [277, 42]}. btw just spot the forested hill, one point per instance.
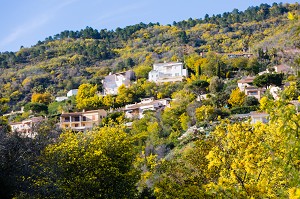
{"type": "Point", "coordinates": [66, 60]}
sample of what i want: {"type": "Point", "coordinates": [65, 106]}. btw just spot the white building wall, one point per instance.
{"type": "Point", "coordinates": [72, 92]}
{"type": "Point", "coordinates": [167, 70]}
{"type": "Point", "coordinates": [242, 86]}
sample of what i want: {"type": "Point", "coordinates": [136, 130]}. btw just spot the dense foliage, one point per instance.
{"type": "Point", "coordinates": [197, 147]}
{"type": "Point", "coordinates": [71, 58]}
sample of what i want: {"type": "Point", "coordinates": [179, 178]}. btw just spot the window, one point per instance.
{"type": "Point", "coordinates": [76, 119]}
{"type": "Point", "coordinates": [252, 93]}
{"type": "Point", "coordinates": [76, 125]}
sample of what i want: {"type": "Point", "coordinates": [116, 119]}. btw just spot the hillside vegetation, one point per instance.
{"type": "Point", "coordinates": [66, 60]}
{"type": "Point", "coordinates": [200, 146]}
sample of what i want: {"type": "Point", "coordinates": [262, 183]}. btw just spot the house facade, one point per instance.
{"type": "Point", "coordinates": [255, 92]}
{"type": "Point", "coordinates": [81, 121]}
{"type": "Point", "coordinates": [246, 85]}
{"type": "Point", "coordinates": [112, 82]}
{"type": "Point", "coordinates": [259, 117]}
{"type": "Point", "coordinates": [167, 72]}
{"type": "Point", "coordinates": [26, 127]}
{"type": "Point", "coordinates": [70, 93]}
{"type": "Point", "coordinates": [137, 110]}
{"type": "Point", "coordinates": [245, 82]}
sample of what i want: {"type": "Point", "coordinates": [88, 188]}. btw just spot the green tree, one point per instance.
{"type": "Point", "coordinates": [18, 156]}
{"type": "Point", "coordinates": [194, 62]}
{"type": "Point", "coordinates": [44, 98]}
{"type": "Point", "coordinates": [205, 113]}
{"type": "Point", "coordinates": [142, 71]}
{"type": "Point", "coordinates": [183, 37]}
{"type": "Point", "coordinates": [96, 164]}
{"type": "Point", "coordinates": [87, 97]}
{"type": "Point", "coordinates": [184, 174]}
{"type": "Point", "coordinates": [3, 105]}
{"type": "Point", "coordinates": [258, 160]}
{"type": "Point", "coordinates": [214, 65]}
{"type": "Point", "coordinates": [251, 101]}
{"type": "Point", "coordinates": [149, 88]}
{"type": "Point", "coordinates": [239, 63]}
{"type": "Point", "coordinates": [237, 98]}
{"type": "Point", "coordinates": [171, 116]}
{"type": "Point", "coordinates": [198, 87]}
{"type": "Point", "coordinates": [125, 96]}
{"type": "Point", "coordinates": [129, 62]}
{"type": "Point", "coordinates": [253, 66]}
{"type": "Point", "coordinates": [36, 107]}
{"type": "Point", "coordinates": [267, 79]}
{"type": "Point", "coordinates": [216, 84]}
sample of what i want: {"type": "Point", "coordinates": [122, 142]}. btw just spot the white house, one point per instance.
{"type": "Point", "coordinates": [167, 72]}
{"type": "Point", "coordinates": [137, 110]}
{"type": "Point", "coordinates": [245, 82]}
{"type": "Point", "coordinates": [259, 117]}
{"type": "Point", "coordinates": [60, 99]}
{"type": "Point", "coordinates": [26, 127]}
{"type": "Point", "coordinates": [112, 82]}
{"type": "Point", "coordinates": [246, 85]}
{"type": "Point", "coordinates": [72, 92]}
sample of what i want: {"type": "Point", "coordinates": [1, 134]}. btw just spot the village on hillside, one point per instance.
{"type": "Point", "coordinates": [201, 108]}
{"type": "Point", "coordinates": [161, 73]}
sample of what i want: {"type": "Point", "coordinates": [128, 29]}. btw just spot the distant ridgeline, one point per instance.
{"type": "Point", "coordinates": [109, 39]}
{"type": "Point", "coordinates": [257, 13]}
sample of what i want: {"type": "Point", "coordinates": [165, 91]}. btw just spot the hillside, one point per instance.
{"type": "Point", "coordinates": [66, 60]}
{"type": "Point", "coordinates": [230, 129]}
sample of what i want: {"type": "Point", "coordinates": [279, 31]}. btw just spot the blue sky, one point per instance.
{"type": "Point", "coordinates": [25, 22]}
